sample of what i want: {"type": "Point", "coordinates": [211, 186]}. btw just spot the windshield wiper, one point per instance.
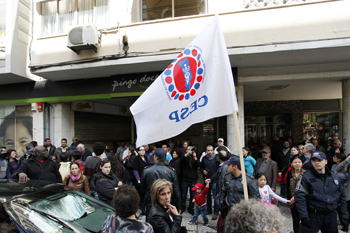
{"type": "Point", "coordinates": [53, 218]}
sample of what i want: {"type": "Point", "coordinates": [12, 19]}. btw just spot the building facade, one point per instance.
{"type": "Point", "coordinates": [290, 60]}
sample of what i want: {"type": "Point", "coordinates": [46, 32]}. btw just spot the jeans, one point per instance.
{"type": "Point", "coordinates": [94, 194]}
{"type": "Point", "coordinates": [200, 211]}
{"type": "Point", "coordinates": [184, 187]}
{"type": "Point", "coordinates": [283, 189]}
{"type": "Point", "coordinates": [212, 187]}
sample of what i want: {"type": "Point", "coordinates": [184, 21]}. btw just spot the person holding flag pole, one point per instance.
{"type": "Point", "coordinates": [198, 85]}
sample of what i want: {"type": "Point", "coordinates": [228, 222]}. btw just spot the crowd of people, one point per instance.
{"type": "Point", "coordinates": [158, 179]}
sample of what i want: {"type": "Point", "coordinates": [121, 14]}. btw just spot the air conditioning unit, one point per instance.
{"type": "Point", "coordinates": [83, 37]}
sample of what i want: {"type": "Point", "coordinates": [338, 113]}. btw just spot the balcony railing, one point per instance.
{"type": "Point", "coordinates": [253, 4]}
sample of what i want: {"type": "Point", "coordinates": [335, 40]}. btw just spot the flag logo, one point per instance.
{"type": "Point", "coordinates": [184, 76]}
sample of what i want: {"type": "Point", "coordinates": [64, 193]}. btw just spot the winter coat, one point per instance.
{"type": "Point", "coordinates": [161, 221]}
{"type": "Point", "coordinates": [81, 185]}
{"type": "Point", "coordinates": [125, 225]}
{"type": "Point", "coordinates": [129, 173]}
{"type": "Point", "coordinates": [105, 186]}
{"type": "Point", "coordinates": [47, 170]}
{"type": "Point", "coordinates": [189, 169]}
{"type": "Point", "coordinates": [160, 171]}
{"type": "Point", "coordinates": [177, 165]}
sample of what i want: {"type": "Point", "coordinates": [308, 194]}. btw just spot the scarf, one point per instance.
{"type": "Point", "coordinates": [73, 177]}
{"type": "Point", "coordinates": [294, 181]}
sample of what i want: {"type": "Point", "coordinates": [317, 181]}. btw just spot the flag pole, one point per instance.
{"type": "Point", "coordinates": [239, 144]}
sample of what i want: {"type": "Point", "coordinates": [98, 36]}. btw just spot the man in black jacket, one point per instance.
{"type": "Point", "coordinates": [84, 151]}
{"type": "Point", "coordinates": [159, 171]}
{"type": "Point", "coordinates": [50, 148]}
{"type": "Point", "coordinates": [209, 166]}
{"type": "Point", "coordinates": [232, 192]}
{"type": "Point", "coordinates": [39, 166]}
{"type": "Point", "coordinates": [190, 166]}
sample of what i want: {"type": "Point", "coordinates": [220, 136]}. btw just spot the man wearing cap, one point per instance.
{"type": "Point", "coordinates": [220, 143]}
{"type": "Point", "coordinates": [268, 167]}
{"type": "Point", "coordinates": [319, 193]}
{"type": "Point", "coordinates": [159, 171]}
{"type": "Point", "coordinates": [232, 192]}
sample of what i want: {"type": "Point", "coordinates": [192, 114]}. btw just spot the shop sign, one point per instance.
{"type": "Point", "coordinates": [133, 82]}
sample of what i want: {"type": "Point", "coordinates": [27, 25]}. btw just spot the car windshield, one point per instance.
{"type": "Point", "coordinates": [54, 213]}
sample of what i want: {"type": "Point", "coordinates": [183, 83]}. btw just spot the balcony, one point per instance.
{"type": "Point", "coordinates": [257, 4]}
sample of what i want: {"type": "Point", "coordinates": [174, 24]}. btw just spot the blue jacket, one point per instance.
{"type": "Point", "coordinates": [323, 192]}
{"type": "Point", "coordinates": [249, 164]}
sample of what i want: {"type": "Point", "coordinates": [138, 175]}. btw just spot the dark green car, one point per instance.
{"type": "Point", "coordinates": [49, 208]}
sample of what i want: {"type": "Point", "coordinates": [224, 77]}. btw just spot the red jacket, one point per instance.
{"type": "Point", "coordinates": [201, 197]}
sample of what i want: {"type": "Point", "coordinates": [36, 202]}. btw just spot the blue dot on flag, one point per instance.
{"type": "Point", "coordinates": [187, 51]}
{"type": "Point", "coordinates": [196, 86]}
{"type": "Point", "coordinates": [187, 96]}
{"type": "Point", "coordinates": [177, 96]}
{"type": "Point", "coordinates": [171, 88]}
{"type": "Point", "coordinates": [167, 72]}
{"type": "Point", "coordinates": [198, 57]}
{"type": "Point", "coordinates": [174, 60]}
{"type": "Point", "coordinates": [200, 71]}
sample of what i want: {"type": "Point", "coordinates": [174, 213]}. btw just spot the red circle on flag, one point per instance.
{"type": "Point", "coordinates": [199, 63]}
{"type": "Point", "coordinates": [171, 65]}
{"type": "Point", "coordinates": [168, 80]}
{"type": "Point", "coordinates": [180, 55]}
{"type": "Point", "coordinates": [193, 91]}
{"type": "Point", "coordinates": [194, 52]}
{"type": "Point", "coordinates": [173, 93]}
{"type": "Point", "coordinates": [199, 78]}
{"type": "Point", "coordinates": [181, 97]}
{"type": "Point", "coordinates": [179, 76]}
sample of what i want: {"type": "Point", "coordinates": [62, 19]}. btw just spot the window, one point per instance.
{"type": "Point", "coordinates": [155, 9]}
{"type": "Point", "coordinates": [59, 15]}
{"type": "Point", "coordinates": [2, 25]}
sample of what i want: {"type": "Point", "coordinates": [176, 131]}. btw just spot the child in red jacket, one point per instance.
{"type": "Point", "coordinates": [200, 198]}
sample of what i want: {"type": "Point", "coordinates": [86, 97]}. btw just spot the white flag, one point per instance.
{"type": "Point", "coordinates": [197, 86]}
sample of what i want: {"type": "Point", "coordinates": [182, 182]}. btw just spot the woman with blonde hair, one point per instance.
{"type": "Point", "coordinates": [163, 216]}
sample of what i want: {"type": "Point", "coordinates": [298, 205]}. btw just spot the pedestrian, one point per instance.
{"type": "Point", "coordinates": [189, 178]}
{"type": "Point", "coordinates": [91, 166]}
{"type": "Point", "coordinates": [200, 200]}
{"type": "Point", "coordinates": [283, 160]}
{"type": "Point", "coordinates": [159, 171]}
{"type": "Point", "coordinates": [117, 168]}
{"type": "Point", "coordinates": [27, 154]}
{"type": "Point", "coordinates": [76, 179]}
{"type": "Point", "coordinates": [12, 162]}
{"type": "Point", "coordinates": [106, 182]}
{"type": "Point", "coordinates": [4, 171]}
{"type": "Point", "coordinates": [308, 150]}
{"type": "Point", "coordinates": [266, 192]}
{"type": "Point", "coordinates": [249, 161]}
{"type": "Point", "coordinates": [61, 149]}
{"type": "Point", "coordinates": [64, 165]}
{"type": "Point", "coordinates": [254, 217]}
{"type": "Point", "coordinates": [344, 167]}
{"type": "Point", "coordinates": [209, 166]}
{"type": "Point", "coordinates": [76, 157]}
{"type": "Point", "coordinates": [291, 183]}
{"type": "Point", "coordinates": [165, 147]}
{"type": "Point", "coordinates": [231, 192]}
{"type": "Point", "coordinates": [337, 159]}
{"type": "Point", "coordinates": [50, 148]}
{"type": "Point", "coordinates": [139, 163]}
{"type": "Point", "coordinates": [220, 142]}
{"type": "Point", "coordinates": [39, 167]}
{"type": "Point", "coordinates": [163, 216]}
{"type": "Point", "coordinates": [85, 153]}
{"type": "Point", "coordinates": [129, 169]}
{"type": "Point", "coordinates": [125, 202]}
{"type": "Point", "coordinates": [176, 163]}
{"type": "Point", "coordinates": [268, 167]}
{"type": "Point", "coordinates": [319, 194]}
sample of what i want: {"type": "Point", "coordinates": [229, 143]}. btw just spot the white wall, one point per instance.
{"type": "Point", "coordinates": [244, 28]}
